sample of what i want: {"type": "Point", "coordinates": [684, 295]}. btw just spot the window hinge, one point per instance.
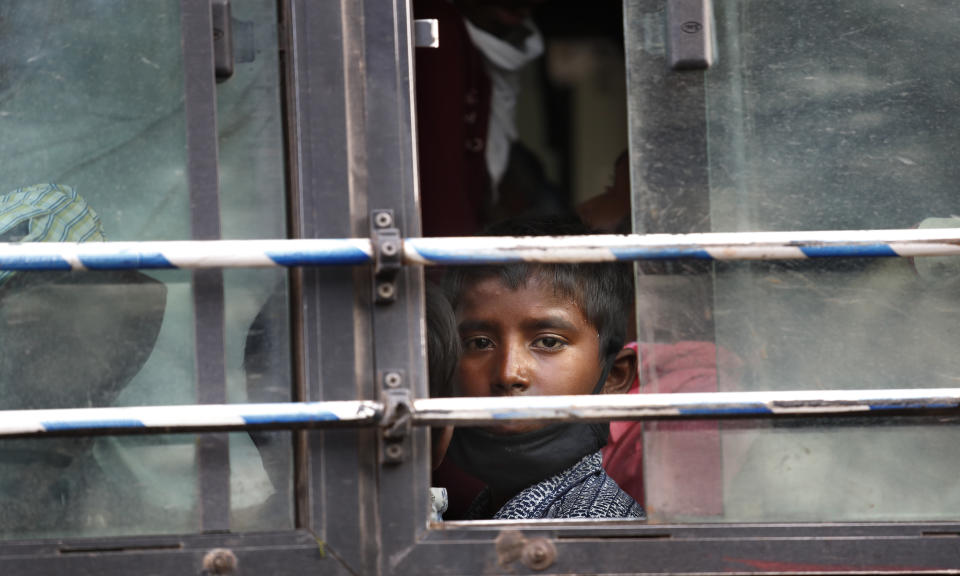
{"type": "Point", "coordinates": [387, 254]}
{"type": "Point", "coordinates": [397, 419]}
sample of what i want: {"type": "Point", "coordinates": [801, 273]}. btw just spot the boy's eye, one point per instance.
{"type": "Point", "coordinates": [549, 343]}
{"type": "Point", "coordinates": [477, 343]}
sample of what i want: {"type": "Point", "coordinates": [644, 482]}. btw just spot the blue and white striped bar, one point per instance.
{"type": "Point", "coordinates": [193, 418]}
{"type": "Point", "coordinates": [712, 246]}
{"type": "Point", "coordinates": [474, 411]}
{"type": "Point", "coordinates": [482, 250]}
{"type": "Point", "coordinates": [184, 255]}
{"type": "Point", "coordinates": [484, 411]}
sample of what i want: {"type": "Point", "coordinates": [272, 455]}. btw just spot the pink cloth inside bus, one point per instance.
{"type": "Point", "coordinates": [684, 464]}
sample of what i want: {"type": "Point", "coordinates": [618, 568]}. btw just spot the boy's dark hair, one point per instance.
{"type": "Point", "coordinates": [602, 291]}
{"type": "Point", "coordinates": [443, 342]}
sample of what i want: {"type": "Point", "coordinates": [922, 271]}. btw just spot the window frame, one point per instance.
{"type": "Point", "coordinates": [350, 127]}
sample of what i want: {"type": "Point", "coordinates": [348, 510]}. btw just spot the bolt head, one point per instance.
{"type": "Point", "coordinates": [394, 451]}
{"type": "Point", "coordinates": [385, 290]}
{"type": "Point", "coordinates": [220, 561]}
{"type": "Point", "coordinates": [538, 554]}
{"type": "Point", "coordinates": [392, 379]}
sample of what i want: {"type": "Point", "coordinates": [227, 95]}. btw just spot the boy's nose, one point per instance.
{"type": "Point", "coordinates": [514, 372]}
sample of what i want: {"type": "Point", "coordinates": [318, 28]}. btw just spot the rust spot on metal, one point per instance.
{"type": "Point", "coordinates": [539, 554]}
{"type": "Point", "coordinates": [219, 561]}
{"type": "Point", "coordinates": [509, 545]}
{"type": "Point", "coordinates": [535, 554]}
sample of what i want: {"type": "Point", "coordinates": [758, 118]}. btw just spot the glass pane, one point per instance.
{"type": "Point", "coordinates": [253, 206]}
{"type": "Point", "coordinates": [92, 112]}
{"type": "Point", "coordinates": [793, 471]}
{"type": "Point", "coordinates": [829, 115]}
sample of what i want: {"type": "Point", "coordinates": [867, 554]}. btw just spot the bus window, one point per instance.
{"type": "Point", "coordinates": [93, 114]}
{"type": "Point", "coordinates": [520, 110]}
{"type": "Point", "coordinates": [839, 116]}
{"type": "Point", "coordinates": [520, 113]}
{"type": "Point", "coordinates": [820, 116]}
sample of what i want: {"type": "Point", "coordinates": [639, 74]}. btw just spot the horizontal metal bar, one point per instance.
{"type": "Point", "coordinates": [482, 250]}
{"type": "Point", "coordinates": [708, 246]}
{"type": "Point", "coordinates": [184, 254]}
{"type": "Point", "coordinates": [474, 411]}
{"type": "Point", "coordinates": [190, 418]}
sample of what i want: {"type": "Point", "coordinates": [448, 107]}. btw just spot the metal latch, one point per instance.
{"type": "Point", "coordinates": [397, 420]}
{"type": "Point", "coordinates": [426, 33]}
{"type": "Point", "coordinates": [690, 38]}
{"type": "Point", "coordinates": [387, 255]}
{"type": "Point", "coordinates": [222, 40]}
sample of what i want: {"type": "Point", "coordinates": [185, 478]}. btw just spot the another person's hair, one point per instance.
{"type": "Point", "coordinates": [602, 291]}
{"type": "Point", "coordinates": [443, 342]}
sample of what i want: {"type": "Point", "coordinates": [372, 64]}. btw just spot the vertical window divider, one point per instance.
{"type": "Point", "coordinates": [336, 469]}
{"type": "Point", "coordinates": [397, 327]}
{"type": "Point", "coordinates": [200, 102]}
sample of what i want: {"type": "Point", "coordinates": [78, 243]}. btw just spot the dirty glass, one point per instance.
{"type": "Point", "coordinates": [818, 115]}
{"type": "Point", "coordinates": [94, 149]}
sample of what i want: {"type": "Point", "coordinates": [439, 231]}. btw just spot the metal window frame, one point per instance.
{"type": "Point", "coordinates": [407, 545]}
{"type": "Point", "coordinates": [350, 128]}
{"type": "Point", "coordinates": [930, 405]}
{"type": "Point", "coordinates": [288, 552]}
{"type": "Point", "coordinates": [599, 547]}
{"type": "Point", "coordinates": [721, 246]}
{"type": "Point", "coordinates": [203, 179]}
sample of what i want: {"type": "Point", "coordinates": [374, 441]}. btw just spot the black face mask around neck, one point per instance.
{"type": "Point", "coordinates": [508, 463]}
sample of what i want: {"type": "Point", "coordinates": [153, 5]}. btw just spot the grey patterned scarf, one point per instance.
{"type": "Point", "coordinates": [582, 491]}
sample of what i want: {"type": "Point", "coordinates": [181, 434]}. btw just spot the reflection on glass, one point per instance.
{"type": "Point", "coordinates": [853, 130]}
{"type": "Point", "coordinates": [832, 116]}
{"type": "Point", "coordinates": [800, 471]}
{"type": "Point", "coordinates": [93, 149]}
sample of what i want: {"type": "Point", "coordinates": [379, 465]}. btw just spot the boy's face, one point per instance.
{"type": "Point", "coordinates": [524, 342]}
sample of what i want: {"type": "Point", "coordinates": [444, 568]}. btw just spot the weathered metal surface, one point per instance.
{"type": "Point", "coordinates": [482, 250]}
{"type": "Point", "coordinates": [190, 418]}
{"type": "Point", "coordinates": [435, 411]}
{"type": "Point", "coordinates": [476, 411]}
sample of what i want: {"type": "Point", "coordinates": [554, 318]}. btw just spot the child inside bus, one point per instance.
{"type": "Point", "coordinates": [443, 355]}
{"type": "Point", "coordinates": [541, 329]}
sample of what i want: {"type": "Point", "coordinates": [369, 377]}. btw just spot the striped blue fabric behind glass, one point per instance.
{"type": "Point", "coordinates": [46, 213]}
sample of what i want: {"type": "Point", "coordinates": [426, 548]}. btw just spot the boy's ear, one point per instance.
{"type": "Point", "coordinates": [622, 373]}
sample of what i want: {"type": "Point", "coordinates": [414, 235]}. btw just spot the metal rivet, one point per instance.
{"type": "Point", "coordinates": [385, 290]}
{"type": "Point", "coordinates": [392, 379]}
{"type": "Point", "coordinates": [219, 561]}
{"type": "Point", "coordinates": [394, 451]}
{"type": "Point", "coordinates": [538, 554]}
{"type": "Point", "coordinates": [383, 220]}
{"type": "Point", "coordinates": [389, 248]}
